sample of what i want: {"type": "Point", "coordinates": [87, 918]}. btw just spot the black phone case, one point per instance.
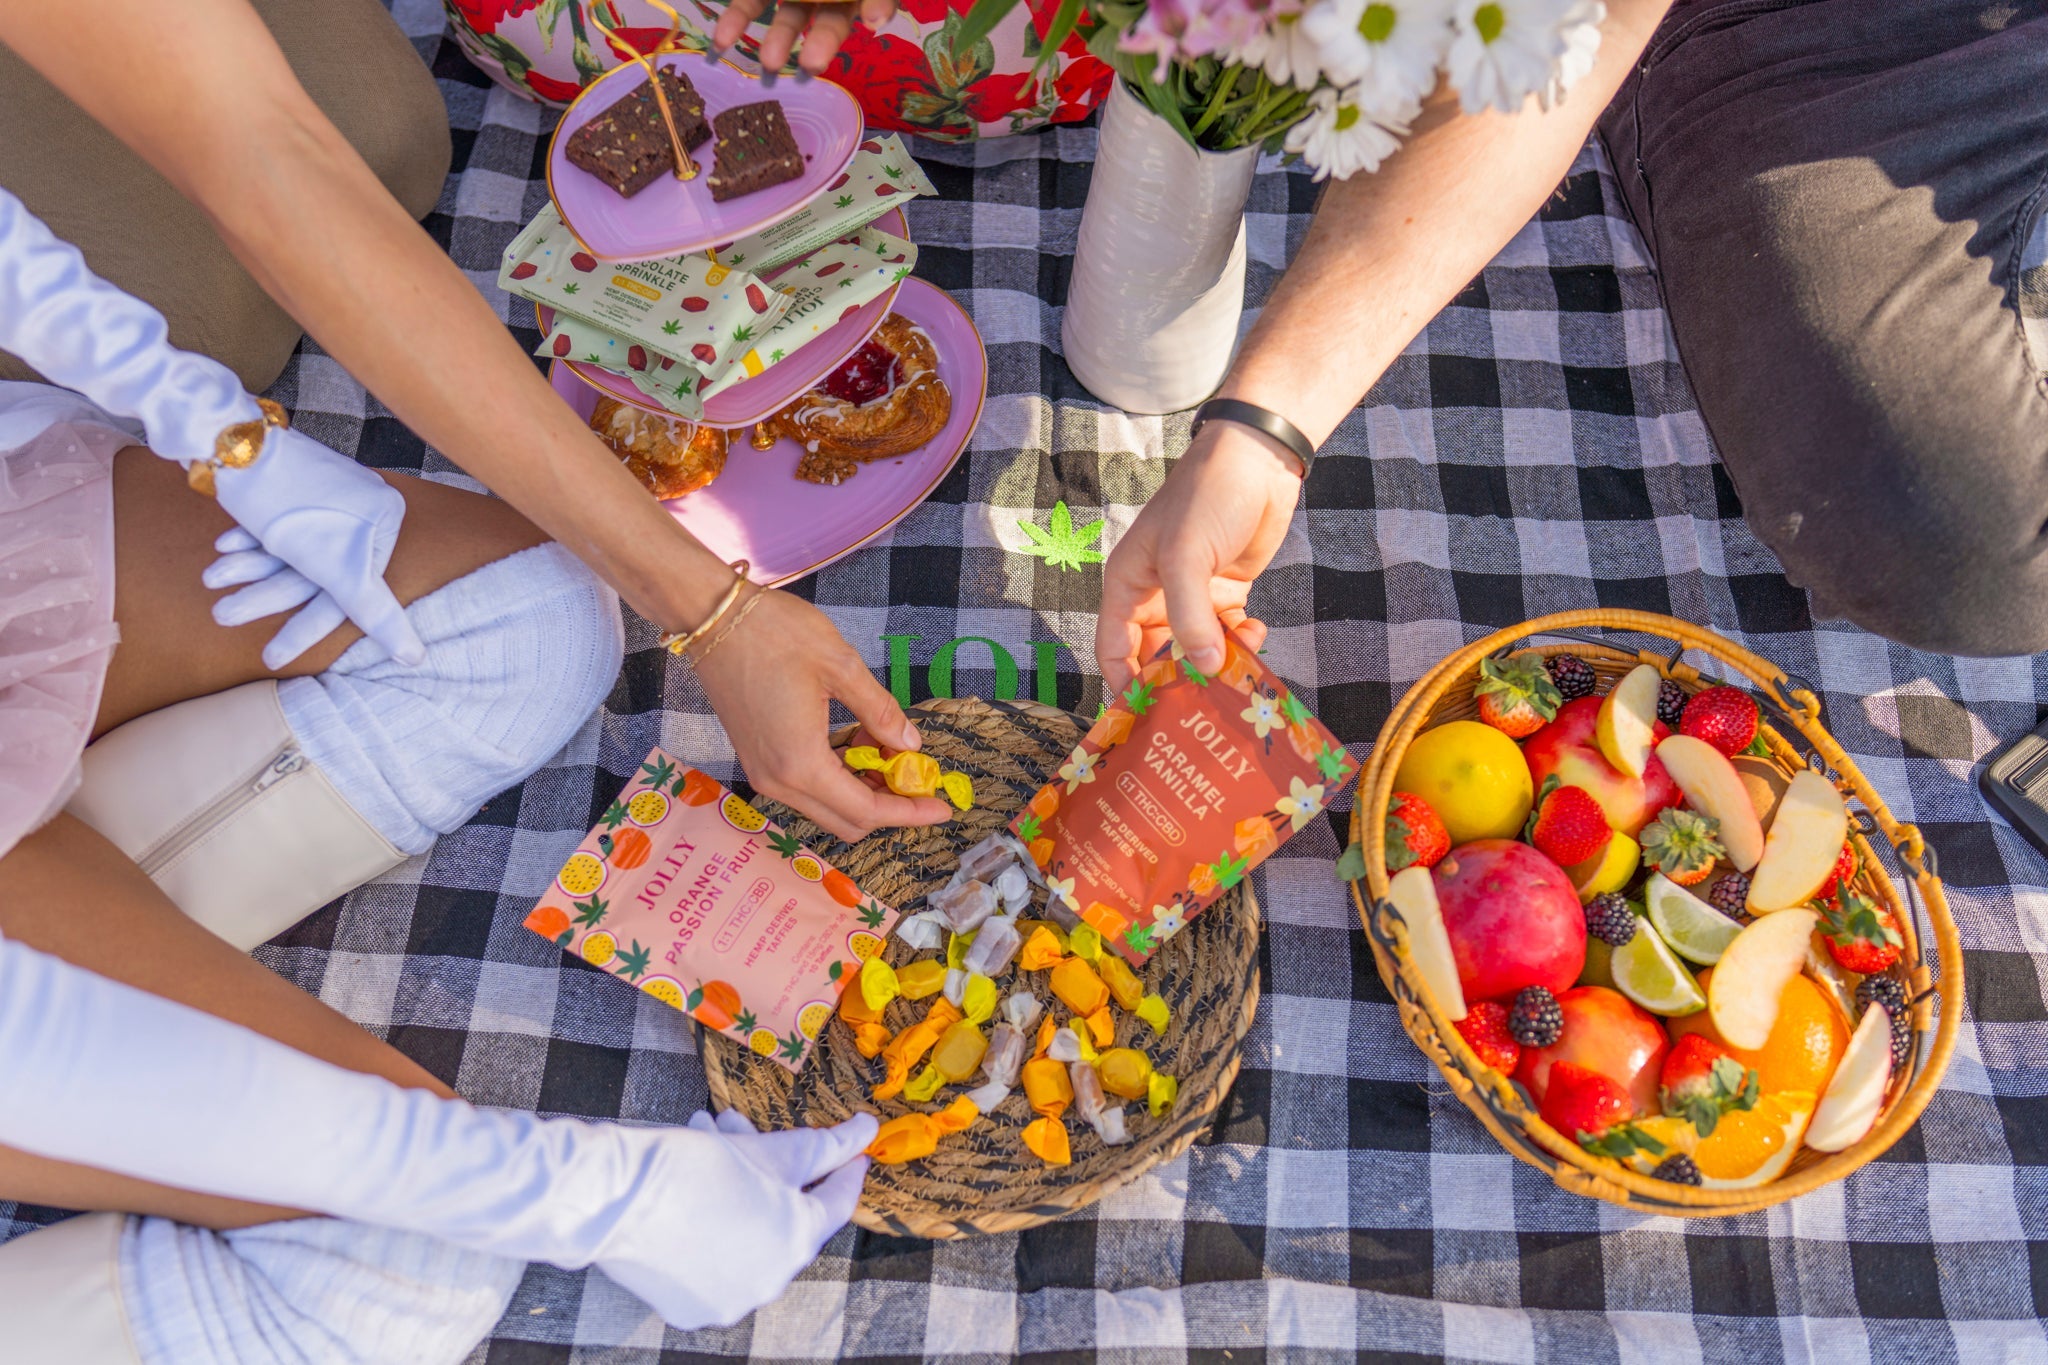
{"type": "Point", "coordinates": [2015, 782]}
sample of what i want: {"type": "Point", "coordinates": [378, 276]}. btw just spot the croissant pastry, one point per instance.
{"type": "Point", "coordinates": [670, 456]}
{"type": "Point", "coordinates": [887, 400]}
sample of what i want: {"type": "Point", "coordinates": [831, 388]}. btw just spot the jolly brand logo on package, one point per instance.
{"type": "Point", "coordinates": [687, 892]}
{"type": "Point", "coordinates": [1184, 785]}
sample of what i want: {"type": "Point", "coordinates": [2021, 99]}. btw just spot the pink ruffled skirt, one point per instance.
{"type": "Point", "coordinates": [57, 627]}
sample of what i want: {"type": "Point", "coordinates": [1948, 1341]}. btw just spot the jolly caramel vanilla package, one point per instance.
{"type": "Point", "coordinates": [1184, 785]}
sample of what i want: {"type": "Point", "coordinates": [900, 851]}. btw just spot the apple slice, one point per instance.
{"type": "Point", "coordinates": [1805, 839]}
{"type": "Point", "coordinates": [1413, 893]}
{"type": "Point", "coordinates": [1742, 997]}
{"type": "Point", "coordinates": [1624, 729]}
{"type": "Point", "coordinates": [1848, 1108]}
{"type": "Point", "coordinates": [1715, 789]}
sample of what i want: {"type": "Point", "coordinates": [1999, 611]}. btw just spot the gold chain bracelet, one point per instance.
{"type": "Point", "coordinates": [675, 642]}
{"type": "Point", "coordinates": [236, 447]}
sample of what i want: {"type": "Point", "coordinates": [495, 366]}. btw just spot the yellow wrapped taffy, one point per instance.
{"type": "Point", "coordinates": [920, 979]}
{"type": "Point", "coordinates": [912, 774]}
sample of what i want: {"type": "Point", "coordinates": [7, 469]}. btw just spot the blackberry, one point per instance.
{"type": "Point", "coordinates": [1535, 1021]}
{"type": "Point", "coordinates": [1678, 1168]}
{"type": "Point", "coordinates": [1731, 896]}
{"type": "Point", "coordinates": [1574, 676]}
{"type": "Point", "coordinates": [1886, 991]}
{"type": "Point", "coordinates": [1609, 919]}
{"type": "Point", "coordinates": [1671, 701]}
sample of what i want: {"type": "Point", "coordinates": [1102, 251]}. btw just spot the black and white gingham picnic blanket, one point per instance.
{"type": "Point", "coordinates": [1536, 449]}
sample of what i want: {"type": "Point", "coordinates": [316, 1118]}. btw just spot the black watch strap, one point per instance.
{"type": "Point", "coordinates": [1258, 419]}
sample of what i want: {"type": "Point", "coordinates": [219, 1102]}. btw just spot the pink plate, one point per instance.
{"type": "Point", "coordinates": [760, 511]}
{"type": "Point", "coordinates": [673, 216]}
{"type": "Point", "coordinates": [776, 387]}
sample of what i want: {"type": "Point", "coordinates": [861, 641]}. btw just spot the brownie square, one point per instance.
{"type": "Point", "coordinates": [755, 150]}
{"type": "Point", "coordinates": [627, 145]}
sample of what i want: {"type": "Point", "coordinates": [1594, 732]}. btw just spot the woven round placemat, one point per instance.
{"type": "Point", "coordinates": [985, 1180]}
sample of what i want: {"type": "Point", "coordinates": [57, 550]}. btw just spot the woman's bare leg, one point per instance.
{"type": "Point", "coordinates": [67, 891]}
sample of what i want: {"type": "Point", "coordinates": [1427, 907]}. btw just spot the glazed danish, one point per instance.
{"type": "Point", "coordinates": [887, 400]}
{"type": "Point", "coordinates": [670, 456]}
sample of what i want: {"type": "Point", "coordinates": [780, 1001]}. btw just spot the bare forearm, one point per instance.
{"type": "Point", "coordinates": [1388, 251]}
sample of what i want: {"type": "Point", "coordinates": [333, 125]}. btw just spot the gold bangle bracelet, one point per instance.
{"type": "Point", "coordinates": [236, 447]}
{"type": "Point", "coordinates": [739, 616]}
{"type": "Point", "coordinates": [675, 642]}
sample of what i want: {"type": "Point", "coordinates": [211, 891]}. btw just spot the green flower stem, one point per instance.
{"type": "Point", "coordinates": [1276, 118]}
{"type": "Point", "coordinates": [1218, 99]}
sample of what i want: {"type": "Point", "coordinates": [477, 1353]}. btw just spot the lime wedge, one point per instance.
{"type": "Point", "coordinates": [1695, 930]}
{"type": "Point", "coordinates": [1650, 974]}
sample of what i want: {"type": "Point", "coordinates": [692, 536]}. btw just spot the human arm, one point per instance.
{"type": "Point", "coordinates": [1386, 252]}
{"type": "Point", "coordinates": [108, 1076]}
{"type": "Point", "coordinates": [212, 104]}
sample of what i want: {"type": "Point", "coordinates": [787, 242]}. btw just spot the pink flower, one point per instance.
{"type": "Point", "coordinates": [1172, 29]}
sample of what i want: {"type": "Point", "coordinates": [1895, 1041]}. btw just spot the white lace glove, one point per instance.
{"type": "Point", "coordinates": [706, 1222]}
{"type": "Point", "coordinates": [328, 518]}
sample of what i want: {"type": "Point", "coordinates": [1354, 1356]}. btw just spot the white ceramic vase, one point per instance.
{"type": "Point", "coordinates": [1158, 282]}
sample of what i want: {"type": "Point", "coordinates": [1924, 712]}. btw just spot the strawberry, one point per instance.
{"type": "Point", "coordinates": [584, 261]}
{"type": "Point", "coordinates": [1516, 695]}
{"type": "Point", "coordinates": [705, 352]}
{"type": "Point", "coordinates": [1485, 1030]}
{"type": "Point", "coordinates": [1682, 844]}
{"type": "Point", "coordinates": [693, 304]}
{"type": "Point", "coordinates": [636, 357]}
{"type": "Point", "coordinates": [1862, 936]}
{"type": "Point", "coordinates": [1580, 1103]}
{"type": "Point", "coordinates": [525, 270]}
{"type": "Point", "coordinates": [1700, 1082]}
{"type": "Point", "coordinates": [1415, 833]}
{"type": "Point", "coordinates": [1844, 872]}
{"type": "Point", "coordinates": [561, 346]}
{"type": "Point", "coordinates": [1569, 826]}
{"type": "Point", "coordinates": [1724, 717]}
{"type": "Point", "coordinates": [756, 300]}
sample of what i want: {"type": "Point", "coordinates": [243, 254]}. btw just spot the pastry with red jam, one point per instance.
{"type": "Point", "coordinates": [886, 400]}
{"type": "Point", "coordinates": [671, 457]}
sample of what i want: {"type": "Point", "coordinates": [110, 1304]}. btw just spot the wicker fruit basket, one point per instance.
{"type": "Point", "coordinates": [984, 1179]}
{"type": "Point", "coordinates": [1796, 738]}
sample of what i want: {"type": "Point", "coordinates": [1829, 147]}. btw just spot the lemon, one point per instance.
{"type": "Point", "coordinates": [742, 816]}
{"type": "Point", "coordinates": [581, 875]}
{"type": "Point", "coordinates": [647, 808]}
{"type": "Point", "coordinates": [1649, 973]}
{"type": "Point", "coordinates": [599, 948]}
{"type": "Point", "coordinates": [1473, 776]}
{"type": "Point", "coordinates": [1616, 866]}
{"type": "Point", "coordinates": [863, 945]}
{"type": "Point", "coordinates": [666, 989]}
{"type": "Point", "coordinates": [811, 1019]}
{"type": "Point", "coordinates": [763, 1041]}
{"type": "Point", "coordinates": [807, 867]}
{"type": "Point", "coordinates": [1694, 929]}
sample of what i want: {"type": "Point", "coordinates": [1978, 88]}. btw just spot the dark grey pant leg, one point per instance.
{"type": "Point", "coordinates": [1835, 194]}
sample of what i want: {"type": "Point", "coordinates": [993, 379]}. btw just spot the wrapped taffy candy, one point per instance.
{"type": "Point", "coordinates": [1094, 1107]}
{"type": "Point", "coordinates": [917, 1135]}
{"type": "Point", "coordinates": [960, 1051]}
{"type": "Point", "coordinates": [920, 979]}
{"type": "Point", "coordinates": [965, 906]}
{"type": "Point", "coordinates": [925, 1085]}
{"type": "Point", "coordinates": [911, 773]}
{"type": "Point", "coordinates": [994, 948]}
{"type": "Point", "coordinates": [1123, 983]}
{"type": "Point", "coordinates": [1124, 1072]}
{"type": "Point", "coordinates": [908, 1048]}
{"type": "Point", "coordinates": [987, 1097]}
{"type": "Point", "coordinates": [1161, 1090]}
{"type": "Point", "coordinates": [923, 931]}
{"type": "Point", "coordinates": [1022, 1010]}
{"type": "Point", "coordinates": [1076, 984]}
{"type": "Point", "coordinates": [1047, 1140]}
{"type": "Point", "coordinates": [1041, 951]}
{"type": "Point", "coordinates": [1152, 1009]}
{"type": "Point", "coordinates": [1101, 1027]}
{"type": "Point", "coordinates": [1047, 1086]}
{"type": "Point", "coordinates": [1005, 1056]}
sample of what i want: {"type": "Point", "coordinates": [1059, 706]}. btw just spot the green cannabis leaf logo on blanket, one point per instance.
{"type": "Point", "coordinates": [1060, 543]}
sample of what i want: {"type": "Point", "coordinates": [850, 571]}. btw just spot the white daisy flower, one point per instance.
{"type": "Point", "coordinates": [1302, 803]}
{"type": "Point", "coordinates": [1282, 50]}
{"type": "Point", "coordinates": [1581, 45]}
{"type": "Point", "coordinates": [1263, 715]}
{"type": "Point", "coordinates": [1063, 887]}
{"type": "Point", "coordinates": [1506, 51]}
{"type": "Point", "coordinates": [1389, 49]}
{"type": "Point", "coordinates": [1079, 768]}
{"type": "Point", "coordinates": [1339, 137]}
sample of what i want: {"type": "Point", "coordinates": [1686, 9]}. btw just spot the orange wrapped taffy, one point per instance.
{"type": "Point", "coordinates": [1102, 1027]}
{"type": "Point", "coordinates": [1047, 1087]}
{"type": "Point", "coordinates": [907, 1049]}
{"type": "Point", "coordinates": [1075, 982]}
{"type": "Point", "coordinates": [1125, 1072]}
{"type": "Point", "coordinates": [912, 774]}
{"type": "Point", "coordinates": [870, 1039]}
{"type": "Point", "coordinates": [959, 1053]}
{"type": "Point", "coordinates": [921, 979]}
{"type": "Point", "coordinates": [1041, 951]}
{"type": "Point", "coordinates": [1123, 983]}
{"type": "Point", "coordinates": [1047, 1139]}
{"type": "Point", "coordinates": [917, 1135]}
{"type": "Point", "coordinates": [957, 1117]}
{"type": "Point", "coordinates": [854, 1007]}
{"type": "Point", "coordinates": [1046, 1029]}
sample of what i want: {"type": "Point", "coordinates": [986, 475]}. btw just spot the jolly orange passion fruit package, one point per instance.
{"type": "Point", "coordinates": [1185, 784]}
{"type": "Point", "coordinates": [689, 893]}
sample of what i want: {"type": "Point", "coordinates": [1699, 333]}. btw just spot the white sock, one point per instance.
{"type": "Point", "coordinates": [315, 1291]}
{"type": "Point", "coordinates": [519, 654]}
